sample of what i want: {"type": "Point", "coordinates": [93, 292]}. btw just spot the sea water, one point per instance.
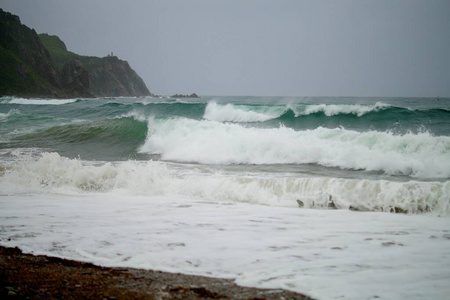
{"type": "Point", "coordinates": [212, 186]}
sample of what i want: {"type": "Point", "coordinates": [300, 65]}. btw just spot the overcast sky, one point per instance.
{"type": "Point", "coordinates": [263, 48]}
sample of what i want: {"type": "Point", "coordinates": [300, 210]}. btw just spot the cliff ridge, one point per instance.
{"type": "Point", "coordinates": [108, 76]}
{"type": "Point", "coordinates": [33, 65]}
{"type": "Point", "coordinates": [26, 68]}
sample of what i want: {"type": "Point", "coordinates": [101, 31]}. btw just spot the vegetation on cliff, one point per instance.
{"type": "Point", "coordinates": [41, 66]}
{"type": "Point", "coordinates": [26, 68]}
{"type": "Point", "coordinates": [108, 76]}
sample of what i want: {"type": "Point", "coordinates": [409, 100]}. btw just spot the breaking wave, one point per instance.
{"type": "Point", "coordinates": [420, 155]}
{"type": "Point", "coordinates": [333, 109]}
{"type": "Point", "coordinates": [261, 113]}
{"type": "Point", "coordinates": [52, 173]}
{"type": "Point", "coordinates": [232, 113]}
{"type": "Point", "coordinates": [42, 101]}
{"type": "Point", "coordinates": [10, 113]}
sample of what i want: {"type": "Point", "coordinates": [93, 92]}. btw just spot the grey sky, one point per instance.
{"type": "Point", "coordinates": [258, 47]}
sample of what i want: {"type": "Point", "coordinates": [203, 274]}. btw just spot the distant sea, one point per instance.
{"type": "Point", "coordinates": [99, 179]}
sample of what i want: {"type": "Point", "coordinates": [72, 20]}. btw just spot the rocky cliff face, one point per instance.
{"type": "Point", "coordinates": [26, 66]}
{"type": "Point", "coordinates": [41, 66]}
{"type": "Point", "coordinates": [114, 77]}
{"type": "Point", "coordinates": [75, 78]}
{"type": "Point", "coordinates": [108, 76]}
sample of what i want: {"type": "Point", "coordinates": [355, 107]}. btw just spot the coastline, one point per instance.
{"type": "Point", "coordinates": [27, 276]}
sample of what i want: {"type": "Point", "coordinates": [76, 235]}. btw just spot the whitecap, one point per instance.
{"type": "Point", "coordinates": [52, 173]}
{"type": "Point", "coordinates": [420, 155]}
{"type": "Point", "coordinates": [42, 101]}
{"type": "Point", "coordinates": [336, 109]}
{"type": "Point", "coordinates": [231, 113]}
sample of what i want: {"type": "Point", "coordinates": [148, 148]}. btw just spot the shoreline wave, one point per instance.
{"type": "Point", "coordinates": [51, 173]}
{"type": "Point", "coordinates": [207, 142]}
{"type": "Point", "coordinates": [27, 101]}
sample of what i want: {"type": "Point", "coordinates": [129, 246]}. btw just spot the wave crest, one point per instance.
{"type": "Point", "coordinates": [55, 174]}
{"type": "Point", "coordinates": [231, 113]}
{"type": "Point", "coordinates": [42, 101]}
{"type": "Point", "coordinates": [10, 113]}
{"type": "Point", "coordinates": [334, 109]}
{"type": "Point", "coordinates": [418, 155]}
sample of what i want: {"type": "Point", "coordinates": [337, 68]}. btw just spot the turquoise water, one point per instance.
{"type": "Point", "coordinates": [139, 182]}
{"type": "Point", "coordinates": [373, 153]}
{"type": "Point", "coordinates": [284, 133]}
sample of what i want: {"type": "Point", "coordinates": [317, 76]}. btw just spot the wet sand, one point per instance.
{"type": "Point", "coordinates": [26, 276]}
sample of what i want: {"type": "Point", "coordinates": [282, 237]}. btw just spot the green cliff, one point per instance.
{"type": "Point", "coordinates": [41, 66]}
{"type": "Point", "coordinates": [26, 68]}
{"type": "Point", "coordinates": [108, 76]}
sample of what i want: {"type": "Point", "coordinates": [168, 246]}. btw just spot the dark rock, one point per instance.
{"type": "Point", "coordinates": [300, 203]}
{"type": "Point", "coordinates": [30, 68]}
{"type": "Point", "coordinates": [204, 293]}
{"type": "Point", "coordinates": [75, 79]}
{"type": "Point", "coordinates": [387, 244]}
{"type": "Point", "coordinates": [331, 203]}
{"type": "Point", "coordinates": [193, 95]}
{"type": "Point", "coordinates": [398, 210]}
{"type": "Point", "coordinates": [27, 68]}
{"type": "Point", "coordinates": [358, 208]}
{"type": "Point", "coordinates": [110, 76]}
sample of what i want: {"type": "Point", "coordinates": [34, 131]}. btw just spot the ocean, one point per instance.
{"type": "Point", "coordinates": [328, 196]}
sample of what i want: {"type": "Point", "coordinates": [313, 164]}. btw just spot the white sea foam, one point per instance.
{"type": "Point", "coordinates": [324, 254]}
{"type": "Point", "coordinates": [135, 114]}
{"type": "Point", "coordinates": [191, 101]}
{"type": "Point", "coordinates": [231, 113]}
{"type": "Point", "coordinates": [41, 101]}
{"type": "Point", "coordinates": [159, 101]}
{"type": "Point", "coordinates": [334, 109]}
{"type": "Point", "coordinates": [55, 174]}
{"type": "Point", "coordinates": [6, 98]}
{"type": "Point", "coordinates": [168, 101]}
{"type": "Point", "coordinates": [8, 114]}
{"type": "Point", "coordinates": [418, 155]}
